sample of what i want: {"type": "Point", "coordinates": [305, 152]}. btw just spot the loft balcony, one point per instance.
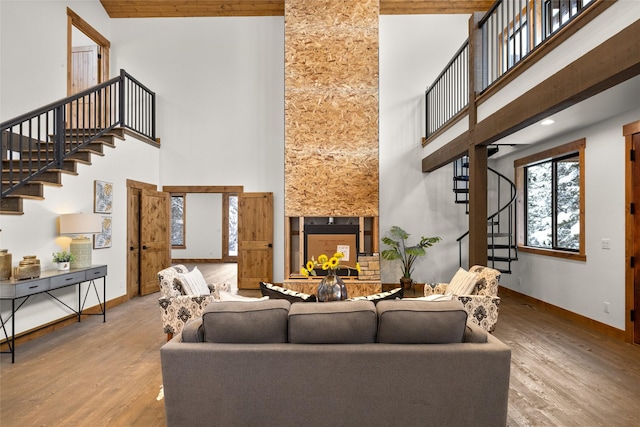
{"type": "Point", "coordinates": [529, 60]}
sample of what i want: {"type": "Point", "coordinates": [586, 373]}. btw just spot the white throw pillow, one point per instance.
{"type": "Point", "coordinates": [228, 296]}
{"type": "Point", "coordinates": [193, 283]}
{"type": "Point", "coordinates": [433, 297]}
{"type": "Point", "coordinates": [462, 283]}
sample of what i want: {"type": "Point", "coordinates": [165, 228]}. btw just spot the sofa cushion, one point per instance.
{"type": "Point", "coordinates": [193, 283]}
{"type": "Point", "coordinates": [273, 291]}
{"type": "Point", "coordinates": [462, 283]}
{"type": "Point", "coordinates": [246, 322]}
{"type": "Point", "coordinates": [338, 322]}
{"type": "Point", "coordinates": [392, 294]}
{"type": "Point", "coordinates": [421, 322]}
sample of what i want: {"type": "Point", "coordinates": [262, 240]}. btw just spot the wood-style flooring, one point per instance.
{"type": "Point", "coordinates": [108, 374]}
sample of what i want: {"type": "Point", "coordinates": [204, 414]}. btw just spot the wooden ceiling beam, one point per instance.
{"type": "Point", "coordinates": [412, 7]}
{"type": "Point", "coordinates": [184, 8]}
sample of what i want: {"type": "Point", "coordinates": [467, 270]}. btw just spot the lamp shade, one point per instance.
{"type": "Point", "coordinates": [80, 224]}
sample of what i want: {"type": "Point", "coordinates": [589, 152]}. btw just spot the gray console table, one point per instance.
{"type": "Point", "coordinates": [20, 291]}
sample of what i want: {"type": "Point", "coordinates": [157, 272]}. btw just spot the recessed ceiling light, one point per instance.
{"type": "Point", "coordinates": [547, 122]}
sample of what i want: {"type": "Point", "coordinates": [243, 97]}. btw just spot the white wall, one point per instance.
{"type": "Point", "coordinates": [584, 287]}
{"type": "Point", "coordinates": [203, 237]}
{"type": "Point", "coordinates": [33, 50]}
{"type": "Point", "coordinates": [220, 86]}
{"type": "Point", "coordinates": [413, 51]}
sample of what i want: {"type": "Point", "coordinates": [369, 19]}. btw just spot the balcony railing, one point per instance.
{"type": "Point", "coordinates": [449, 93]}
{"type": "Point", "coordinates": [511, 30]}
{"type": "Point", "coordinates": [41, 139]}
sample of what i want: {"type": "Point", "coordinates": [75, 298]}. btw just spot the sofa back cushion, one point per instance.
{"type": "Point", "coordinates": [246, 322]}
{"type": "Point", "coordinates": [338, 322]}
{"type": "Point", "coordinates": [421, 322]}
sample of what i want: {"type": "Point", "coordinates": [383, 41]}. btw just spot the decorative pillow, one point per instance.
{"type": "Point", "coordinates": [337, 322]}
{"type": "Point", "coordinates": [392, 294]}
{"type": "Point", "coordinates": [193, 283]}
{"type": "Point", "coordinates": [462, 283]}
{"type": "Point", "coordinates": [433, 297]}
{"type": "Point", "coordinates": [245, 322]}
{"type": "Point", "coordinates": [228, 296]}
{"type": "Point", "coordinates": [278, 292]}
{"type": "Point", "coordinates": [409, 321]}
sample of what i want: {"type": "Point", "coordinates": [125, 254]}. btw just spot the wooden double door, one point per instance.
{"type": "Point", "coordinates": [149, 243]}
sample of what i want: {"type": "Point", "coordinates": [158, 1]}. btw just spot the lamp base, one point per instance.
{"type": "Point", "coordinates": [80, 247]}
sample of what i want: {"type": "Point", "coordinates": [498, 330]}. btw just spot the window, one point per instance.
{"type": "Point", "coordinates": [232, 224]}
{"type": "Point", "coordinates": [551, 201]}
{"type": "Point", "coordinates": [178, 209]}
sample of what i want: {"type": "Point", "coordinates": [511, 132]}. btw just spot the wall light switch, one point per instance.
{"type": "Point", "coordinates": [606, 244]}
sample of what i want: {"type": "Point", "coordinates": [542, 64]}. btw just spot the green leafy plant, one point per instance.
{"type": "Point", "coordinates": [63, 257]}
{"type": "Point", "coordinates": [399, 249]}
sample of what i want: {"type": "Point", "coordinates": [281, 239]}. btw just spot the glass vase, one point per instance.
{"type": "Point", "coordinates": [332, 288]}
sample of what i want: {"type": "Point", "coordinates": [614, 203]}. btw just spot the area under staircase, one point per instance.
{"type": "Point", "coordinates": [41, 146]}
{"type": "Point", "coordinates": [501, 223]}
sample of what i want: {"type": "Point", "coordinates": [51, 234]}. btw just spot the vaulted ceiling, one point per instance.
{"type": "Point", "coordinates": [182, 8]}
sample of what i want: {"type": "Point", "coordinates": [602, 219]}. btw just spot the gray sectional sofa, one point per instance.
{"type": "Point", "coordinates": [349, 363]}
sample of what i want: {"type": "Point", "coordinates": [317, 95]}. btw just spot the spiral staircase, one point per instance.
{"type": "Point", "coordinates": [501, 223]}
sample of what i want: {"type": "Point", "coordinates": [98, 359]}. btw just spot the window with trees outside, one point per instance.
{"type": "Point", "coordinates": [550, 188]}
{"type": "Point", "coordinates": [178, 208]}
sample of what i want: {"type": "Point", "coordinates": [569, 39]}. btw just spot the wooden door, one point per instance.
{"type": "Point", "coordinates": [85, 74]}
{"type": "Point", "coordinates": [133, 241]}
{"type": "Point", "coordinates": [255, 239]}
{"type": "Point", "coordinates": [155, 242]}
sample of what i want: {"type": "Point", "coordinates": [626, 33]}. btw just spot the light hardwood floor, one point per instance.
{"type": "Point", "coordinates": [108, 374]}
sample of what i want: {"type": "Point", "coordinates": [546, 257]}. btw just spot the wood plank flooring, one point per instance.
{"type": "Point", "coordinates": [108, 374]}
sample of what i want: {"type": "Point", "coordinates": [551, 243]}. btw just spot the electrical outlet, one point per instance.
{"type": "Point", "coordinates": [519, 281]}
{"type": "Point", "coordinates": [606, 244]}
{"type": "Point", "coordinates": [606, 307]}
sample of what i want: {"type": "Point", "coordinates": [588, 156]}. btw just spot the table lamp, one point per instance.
{"type": "Point", "coordinates": [79, 225]}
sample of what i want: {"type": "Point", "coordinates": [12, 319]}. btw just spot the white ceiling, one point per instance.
{"type": "Point", "coordinates": [607, 104]}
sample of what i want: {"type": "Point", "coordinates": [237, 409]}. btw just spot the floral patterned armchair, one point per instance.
{"type": "Point", "coordinates": [177, 309]}
{"type": "Point", "coordinates": [482, 305]}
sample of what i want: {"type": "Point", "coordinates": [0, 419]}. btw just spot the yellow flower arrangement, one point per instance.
{"type": "Point", "coordinates": [332, 264]}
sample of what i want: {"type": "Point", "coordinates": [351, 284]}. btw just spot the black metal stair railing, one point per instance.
{"type": "Point", "coordinates": [42, 139]}
{"type": "Point", "coordinates": [501, 224]}
{"type": "Point", "coordinates": [510, 31]}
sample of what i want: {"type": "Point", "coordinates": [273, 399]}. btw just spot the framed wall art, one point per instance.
{"type": "Point", "coordinates": [103, 197]}
{"type": "Point", "coordinates": [103, 240]}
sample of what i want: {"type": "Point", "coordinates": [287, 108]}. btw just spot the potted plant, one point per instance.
{"type": "Point", "coordinates": [63, 259]}
{"type": "Point", "coordinates": [399, 249]}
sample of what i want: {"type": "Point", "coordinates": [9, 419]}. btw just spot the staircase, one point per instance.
{"type": "Point", "coordinates": [501, 223]}
{"type": "Point", "coordinates": [39, 147]}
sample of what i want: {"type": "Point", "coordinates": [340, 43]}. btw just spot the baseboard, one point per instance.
{"type": "Point", "coordinates": [578, 319]}
{"type": "Point", "coordinates": [55, 325]}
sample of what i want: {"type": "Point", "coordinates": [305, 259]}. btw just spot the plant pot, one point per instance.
{"type": "Point", "coordinates": [406, 282]}
{"type": "Point", "coordinates": [62, 266]}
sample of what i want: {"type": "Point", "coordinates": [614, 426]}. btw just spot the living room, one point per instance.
{"type": "Point", "coordinates": [220, 119]}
